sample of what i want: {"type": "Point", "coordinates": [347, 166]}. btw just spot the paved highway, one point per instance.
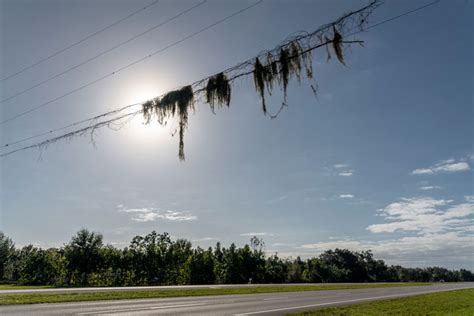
{"type": "Point", "coordinates": [251, 304]}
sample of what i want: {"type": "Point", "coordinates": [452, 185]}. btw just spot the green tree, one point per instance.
{"type": "Point", "coordinates": [38, 266]}
{"type": "Point", "coordinates": [84, 256]}
{"type": "Point", "coordinates": [200, 267]}
{"type": "Point", "coordinates": [149, 258]}
{"type": "Point", "coordinates": [276, 270]}
{"type": "Point", "coordinates": [7, 252]}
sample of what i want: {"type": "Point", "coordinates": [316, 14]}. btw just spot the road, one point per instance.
{"type": "Point", "coordinates": [159, 287]}
{"type": "Point", "coordinates": [249, 304]}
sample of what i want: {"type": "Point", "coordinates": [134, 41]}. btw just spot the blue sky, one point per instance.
{"type": "Point", "coordinates": [383, 159]}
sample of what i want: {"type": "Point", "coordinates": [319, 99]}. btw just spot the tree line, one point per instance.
{"type": "Point", "coordinates": [156, 259]}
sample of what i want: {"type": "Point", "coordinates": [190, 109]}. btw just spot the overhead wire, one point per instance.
{"type": "Point", "coordinates": [14, 117]}
{"type": "Point", "coordinates": [108, 50]}
{"type": "Point", "coordinates": [107, 122]}
{"type": "Point", "coordinates": [62, 50]}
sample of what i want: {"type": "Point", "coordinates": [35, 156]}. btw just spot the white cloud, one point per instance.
{"type": "Point", "coordinates": [204, 239]}
{"type": "Point", "coordinates": [425, 250]}
{"type": "Point", "coordinates": [435, 232]}
{"type": "Point", "coordinates": [430, 187]}
{"type": "Point", "coordinates": [257, 234]}
{"type": "Point", "coordinates": [346, 174]}
{"type": "Point", "coordinates": [424, 215]}
{"type": "Point", "coordinates": [151, 214]}
{"type": "Point", "coordinates": [333, 244]}
{"type": "Point", "coordinates": [346, 196]}
{"type": "Point", "coordinates": [280, 244]}
{"type": "Point", "coordinates": [445, 166]}
{"type": "Point", "coordinates": [342, 170]}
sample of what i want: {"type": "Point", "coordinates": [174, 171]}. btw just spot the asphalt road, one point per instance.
{"type": "Point", "coordinates": [145, 288]}
{"type": "Point", "coordinates": [251, 304]}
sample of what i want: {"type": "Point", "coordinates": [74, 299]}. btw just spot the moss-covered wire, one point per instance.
{"type": "Point", "coordinates": [218, 91]}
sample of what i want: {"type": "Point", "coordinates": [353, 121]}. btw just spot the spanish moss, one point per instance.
{"type": "Point", "coordinates": [284, 70]}
{"type": "Point", "coordinates": [147, 110]}
{"type": "Point", "coordinates": [337, 45]}
{"type": "Point", "coordinates": [218, 91]}
{"type": "Point", "coordinates": [172, 103]}
{"type": "Point", "coordinates": [259, 78]}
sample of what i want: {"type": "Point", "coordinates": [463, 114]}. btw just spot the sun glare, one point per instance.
{"type": "Point", "coordinates": [140, 131]}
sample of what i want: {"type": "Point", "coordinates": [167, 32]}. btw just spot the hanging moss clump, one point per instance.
{"type": "Point", "coordinates": [178, 101]}
{"type": "Point", "coordinates": [273, 71]}
{"type": "Point", "coordinates": [284, 70]}
{"type": "Point", "coordinates": [295, 60]}
{"type": "Point", "coordinates": [337, 45]}
{"type": "Point", "coordinates": [218, 91]}
{"type": "Point", "coordinates": [147, 107]}
{"type": "Point", "coordinates": [259, 77]}
{"type": "Point", "coordinates": [307, 59]}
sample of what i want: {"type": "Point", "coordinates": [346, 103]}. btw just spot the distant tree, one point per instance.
{"type": "Point", "coordinates": [157, 259]}
{"type": "Point", "coordinates": [149, 255]}
{"type": "Point", "coordinates": [276, 270]}
{"type": "Point", "coordinates": [296, 271]}
{"type": "Point", "coordinates": [252, 263]}
{"type": "Point", "coordinates": [7, 252]}
{"type": "Point", "coordinates": [175, 259]}
{"type": "Point", "coordinates": [200, 267]}
{"type": "Point", "coordinates": [219, 265]}
{"type": "Point", "coordinates": [466, 275]}
{"type": "Point", "coordinates": [231, 266]}
{"type": "Point", "coordinates": [38, 266]}
{"type": "Point", "coordinates": [83, 256]}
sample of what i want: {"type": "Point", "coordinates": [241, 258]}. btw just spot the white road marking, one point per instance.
{"type": "Point", "coordinates": [345, 301]}
{"type": "Point", "coordinates": [275, 298]}
{"type": "Point", "coordinates": [138, 309]}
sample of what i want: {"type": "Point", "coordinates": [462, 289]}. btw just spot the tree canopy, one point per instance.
{"type": "Point", "coordinates": [158, 259]}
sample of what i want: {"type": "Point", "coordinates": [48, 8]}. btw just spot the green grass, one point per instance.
{"type": "Point", "coordinates": [455, 303]}
{"type": "Point", "coordinates": [33, 298]}
{"type": "Point", "coordinates": [23, 287]}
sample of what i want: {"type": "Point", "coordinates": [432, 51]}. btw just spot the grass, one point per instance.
{"type": "Point", "coordinates": [23, 287]}
{"type": "Point", "coordinates": [34, 298]}
{"type": "Point", "coordinates": [454, 303]}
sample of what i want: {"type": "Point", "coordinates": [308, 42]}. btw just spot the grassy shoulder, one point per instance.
{"type": "Point", "coordinates": [455, 303]}
{"type": "Point", "coordinates": [34, 298]}
{"type": "Point", "coordinates": [23, 287]}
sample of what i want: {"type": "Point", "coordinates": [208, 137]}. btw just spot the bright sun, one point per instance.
{"type": "Point", "coordinates": [137, 128]}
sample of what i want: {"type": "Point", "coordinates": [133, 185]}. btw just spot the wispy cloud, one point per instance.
{"type": "Point", "coordinates": [437, 230]}
{"type": "Point", "coordinates": [152, 214]}
{"type": "Point", "coordinates": [445, 166]}
{"type": "Point", "coordinates": [346, 196]}
{"type": "Point", "coordinates": [430, 187]}
{"type": "Point", "coordinates": [281, 244]}
{"type": "Point", "coordinates": [278, 198]}
{"type": "Point", "coordinates": [205, 239]}
{"type": "Point", "coordinates": [342, 170]}
{"type": "Point", "coordinates": [424, 250]}
{"type": "Point", "coordinates": [333, 244]}
{"type": "Point", "coordinates": [425, 215]}
{"type": "Point", "coordinates": [346, 173]}
{"type": "Point", "coordinates": [257, 234]}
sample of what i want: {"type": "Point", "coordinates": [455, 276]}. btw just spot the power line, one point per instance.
{"type": "Point", "coordinates": [132, 63]}
{"type": "Point", "coordinates": [403, 14]}
{"type": "Point", "coordinates": [95, 118]}
{"type": "Point", "coordinates": [102, 53]}
{"type": "Point", "coordinates": [78, 42]}
{"type": "Point", "coordinates": [108, 122]}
